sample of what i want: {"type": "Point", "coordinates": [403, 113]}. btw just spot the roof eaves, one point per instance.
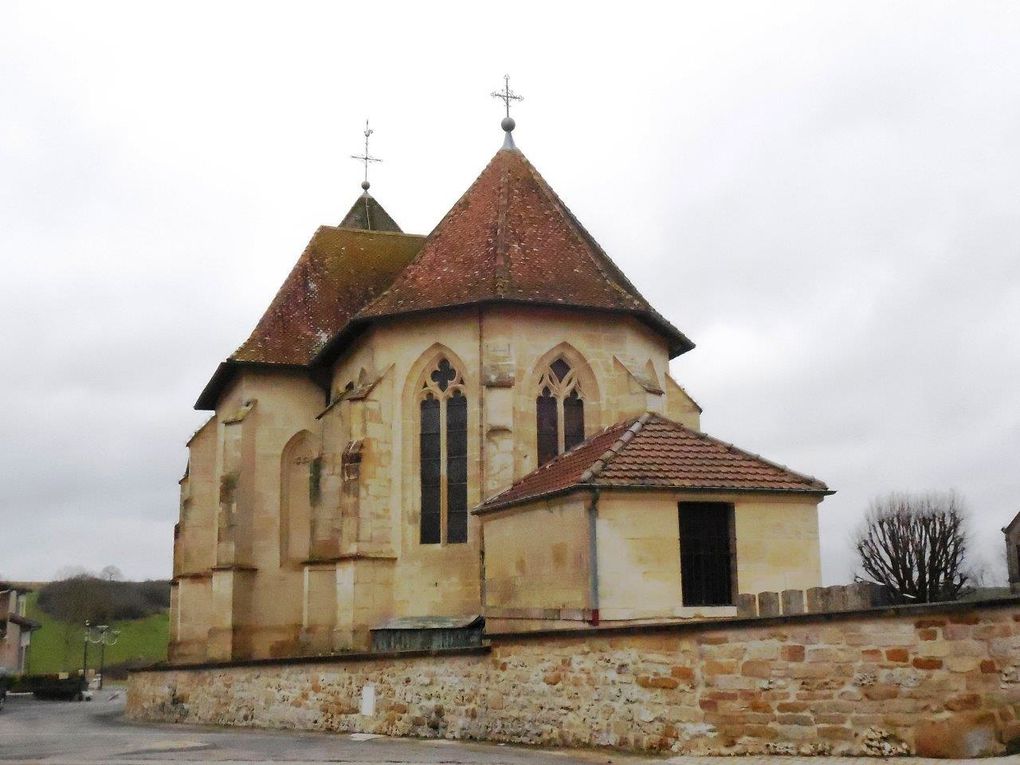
{"type": "Point", "coordinates": [224, 374]}
{"type": "Point", "coordinates": [486, 508]}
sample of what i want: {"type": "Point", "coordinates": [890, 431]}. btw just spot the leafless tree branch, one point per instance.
{"type": "Point", "coordinates": [916, 545]}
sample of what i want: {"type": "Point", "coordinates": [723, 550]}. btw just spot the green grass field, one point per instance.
{"type": "Point", "coordinates": [57, 646]}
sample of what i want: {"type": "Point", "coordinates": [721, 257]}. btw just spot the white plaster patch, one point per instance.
{"type": "Point", "coordinates": [368, 699]}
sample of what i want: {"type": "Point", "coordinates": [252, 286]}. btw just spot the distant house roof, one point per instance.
{"type": "Point", "coordinates": [652, 452]}
{"type": "Point", "coordinates": [1010, 526]}
{"type": "Point", "coordinates": [340, 271]}
{"type": "Point", "coordinates": [510, 238]}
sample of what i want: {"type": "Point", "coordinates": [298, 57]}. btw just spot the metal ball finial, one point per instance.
{"type": "Point", "coordinates": [365, 185]}
{"type": "Point", "coordinates": [508, 124]}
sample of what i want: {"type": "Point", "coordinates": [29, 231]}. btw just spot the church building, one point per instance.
{"type": "Point", "coordinates": [480, 422]}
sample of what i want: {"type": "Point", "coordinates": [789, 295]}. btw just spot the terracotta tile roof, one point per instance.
{"type": "Point", "coordinates": [339, 272]}
{"type": "Point", "coordinates": [653, 452]}
{"type": "Point", "coordinates": [509, 237]}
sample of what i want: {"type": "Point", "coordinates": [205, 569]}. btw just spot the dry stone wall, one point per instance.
{"type": "Point", "coordinates": [935, 681]}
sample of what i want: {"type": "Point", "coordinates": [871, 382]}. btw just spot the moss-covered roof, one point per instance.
{"type": "Point", "coordinates": [340, 271]}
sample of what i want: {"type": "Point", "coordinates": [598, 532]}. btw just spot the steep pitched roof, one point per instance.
{"type": "Point", "coordinates": [340, 271]}
{"type": "Point", "coordinates": [510, 238]}
{"type": "Point", "coordinates": [367, 214]}
{"type": "Point", "coordinates": [652, 452]}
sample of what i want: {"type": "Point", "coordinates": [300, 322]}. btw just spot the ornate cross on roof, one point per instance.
{"type": "Point", "coordinates": [506, 96]}
{"type": "Point", "coordinates": [366, 157]}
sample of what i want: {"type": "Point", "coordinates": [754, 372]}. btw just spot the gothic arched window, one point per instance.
{"type": "Point", "coordinates": [559, 411]}
{"type": "Point", "coordinates": [443, 456]}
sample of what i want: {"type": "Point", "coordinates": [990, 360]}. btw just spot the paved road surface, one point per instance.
{"type": "Point", "coordinates": [56, 732]}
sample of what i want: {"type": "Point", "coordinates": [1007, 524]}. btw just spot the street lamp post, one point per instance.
{"type": "Point", "coordinates": [85, 652]}
{"type": "Point", "coordinates": [104, 636]}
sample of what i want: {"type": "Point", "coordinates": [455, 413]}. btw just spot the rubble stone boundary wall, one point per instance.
{"type": "Point", "coordinates": [931, 680]}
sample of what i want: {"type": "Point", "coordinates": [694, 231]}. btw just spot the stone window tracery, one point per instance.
{"type": "Point", "coordinates": [559, 411]}
{"type": "Point", "coordinates": [443, 456]}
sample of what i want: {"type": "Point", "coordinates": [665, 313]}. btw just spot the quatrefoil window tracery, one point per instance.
{"type": "Point", "coordinates": [443, 456]}
{"type": "Point", "coordinates": [559, 411]}
{"type": "Point", "coordinates": [443, 381]}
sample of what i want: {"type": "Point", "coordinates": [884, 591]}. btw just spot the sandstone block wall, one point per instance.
{"type": "Point", "coordinates": [937, 681]}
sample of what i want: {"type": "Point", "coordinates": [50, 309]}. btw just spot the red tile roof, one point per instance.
{"type": "Point", "coordinates": [655, 453]}
{"type": "Point", "coordinates": [511, 238]}
{"type": "Point", "coordinates": [340, 271]}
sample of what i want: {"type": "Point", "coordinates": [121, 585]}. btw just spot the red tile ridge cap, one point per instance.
{"type": "Point", "coordinates": [600, 464]}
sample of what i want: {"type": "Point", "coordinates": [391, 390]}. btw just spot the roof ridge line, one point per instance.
{"type": "Point", "coordinates": [625, 438]}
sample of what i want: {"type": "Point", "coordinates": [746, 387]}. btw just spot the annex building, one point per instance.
{"type": "Point", "coordinates": [478, 422]}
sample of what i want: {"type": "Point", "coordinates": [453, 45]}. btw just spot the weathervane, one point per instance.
{"type": "Point", "coordinates": [366, 157]}
{"type": "Point", "coordinates": [506, 96]}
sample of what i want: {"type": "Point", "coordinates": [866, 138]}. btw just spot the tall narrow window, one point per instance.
{"type": "Point", "coordinates": [443, 456]}
{"type": "Point", "coordinates": [706, 553]}
{"type": "Point", "coordinates": [559, 411]}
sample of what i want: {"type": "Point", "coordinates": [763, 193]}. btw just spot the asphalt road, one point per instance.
{"type": "Point", "coordinates": [96, 731]}
{"type": "Point", "coordinates": [57, 732]}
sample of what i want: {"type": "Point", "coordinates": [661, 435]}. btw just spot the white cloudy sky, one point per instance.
{"type": "Point", "coordinates": [823, 196]}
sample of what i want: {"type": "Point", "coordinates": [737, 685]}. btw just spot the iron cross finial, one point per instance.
{"type": "Point", "coordinates": [366, 157]}
{"type": "Point", "coordinates": [506, 96]}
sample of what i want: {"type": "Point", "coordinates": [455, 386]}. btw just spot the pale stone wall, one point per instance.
{"type": "Point", "coordinates": [638, 542]}
{"type": "Point", "coordinates": [939, 681]}
{"type": "Point", "coordinates": [777, 543]}
{"type": "Point", "coordinates": [262, 570]}
{"type": "Point", "coordinates": [537, 560]}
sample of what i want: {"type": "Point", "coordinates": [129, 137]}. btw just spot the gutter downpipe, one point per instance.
{"type": "Point", "coordinates": [593, 559]}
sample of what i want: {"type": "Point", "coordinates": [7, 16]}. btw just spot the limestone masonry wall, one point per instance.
{"type": "Point", "coordinates": [935, 680]}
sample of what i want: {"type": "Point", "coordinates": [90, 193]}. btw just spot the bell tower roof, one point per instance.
{"type": "Point", "coordinates": [366, 214]}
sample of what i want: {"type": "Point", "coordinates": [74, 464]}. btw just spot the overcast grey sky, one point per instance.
{"type": "Point", "coordinates": [823, 196]}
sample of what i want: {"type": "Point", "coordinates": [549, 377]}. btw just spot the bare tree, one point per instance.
{"type": "Point", "coordinates": [916, 545]}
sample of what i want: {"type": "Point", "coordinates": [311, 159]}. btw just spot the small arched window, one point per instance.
{"type": "Point", "coordinates": [559, 410]}
{"type": "Point", "coordinates": [443, 456]}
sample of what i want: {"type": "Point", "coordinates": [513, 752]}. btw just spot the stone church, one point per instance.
{"type": "Point", "coordinates": [477, 422]}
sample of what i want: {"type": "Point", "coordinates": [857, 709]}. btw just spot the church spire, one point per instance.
{"type": "Point", "coordinates": [366, 213]}
{"type": "Point", "coordinates": [508, 124]}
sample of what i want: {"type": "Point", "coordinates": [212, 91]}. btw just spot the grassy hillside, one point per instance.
{"type": "Point", "coordinates": [57, 646]}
